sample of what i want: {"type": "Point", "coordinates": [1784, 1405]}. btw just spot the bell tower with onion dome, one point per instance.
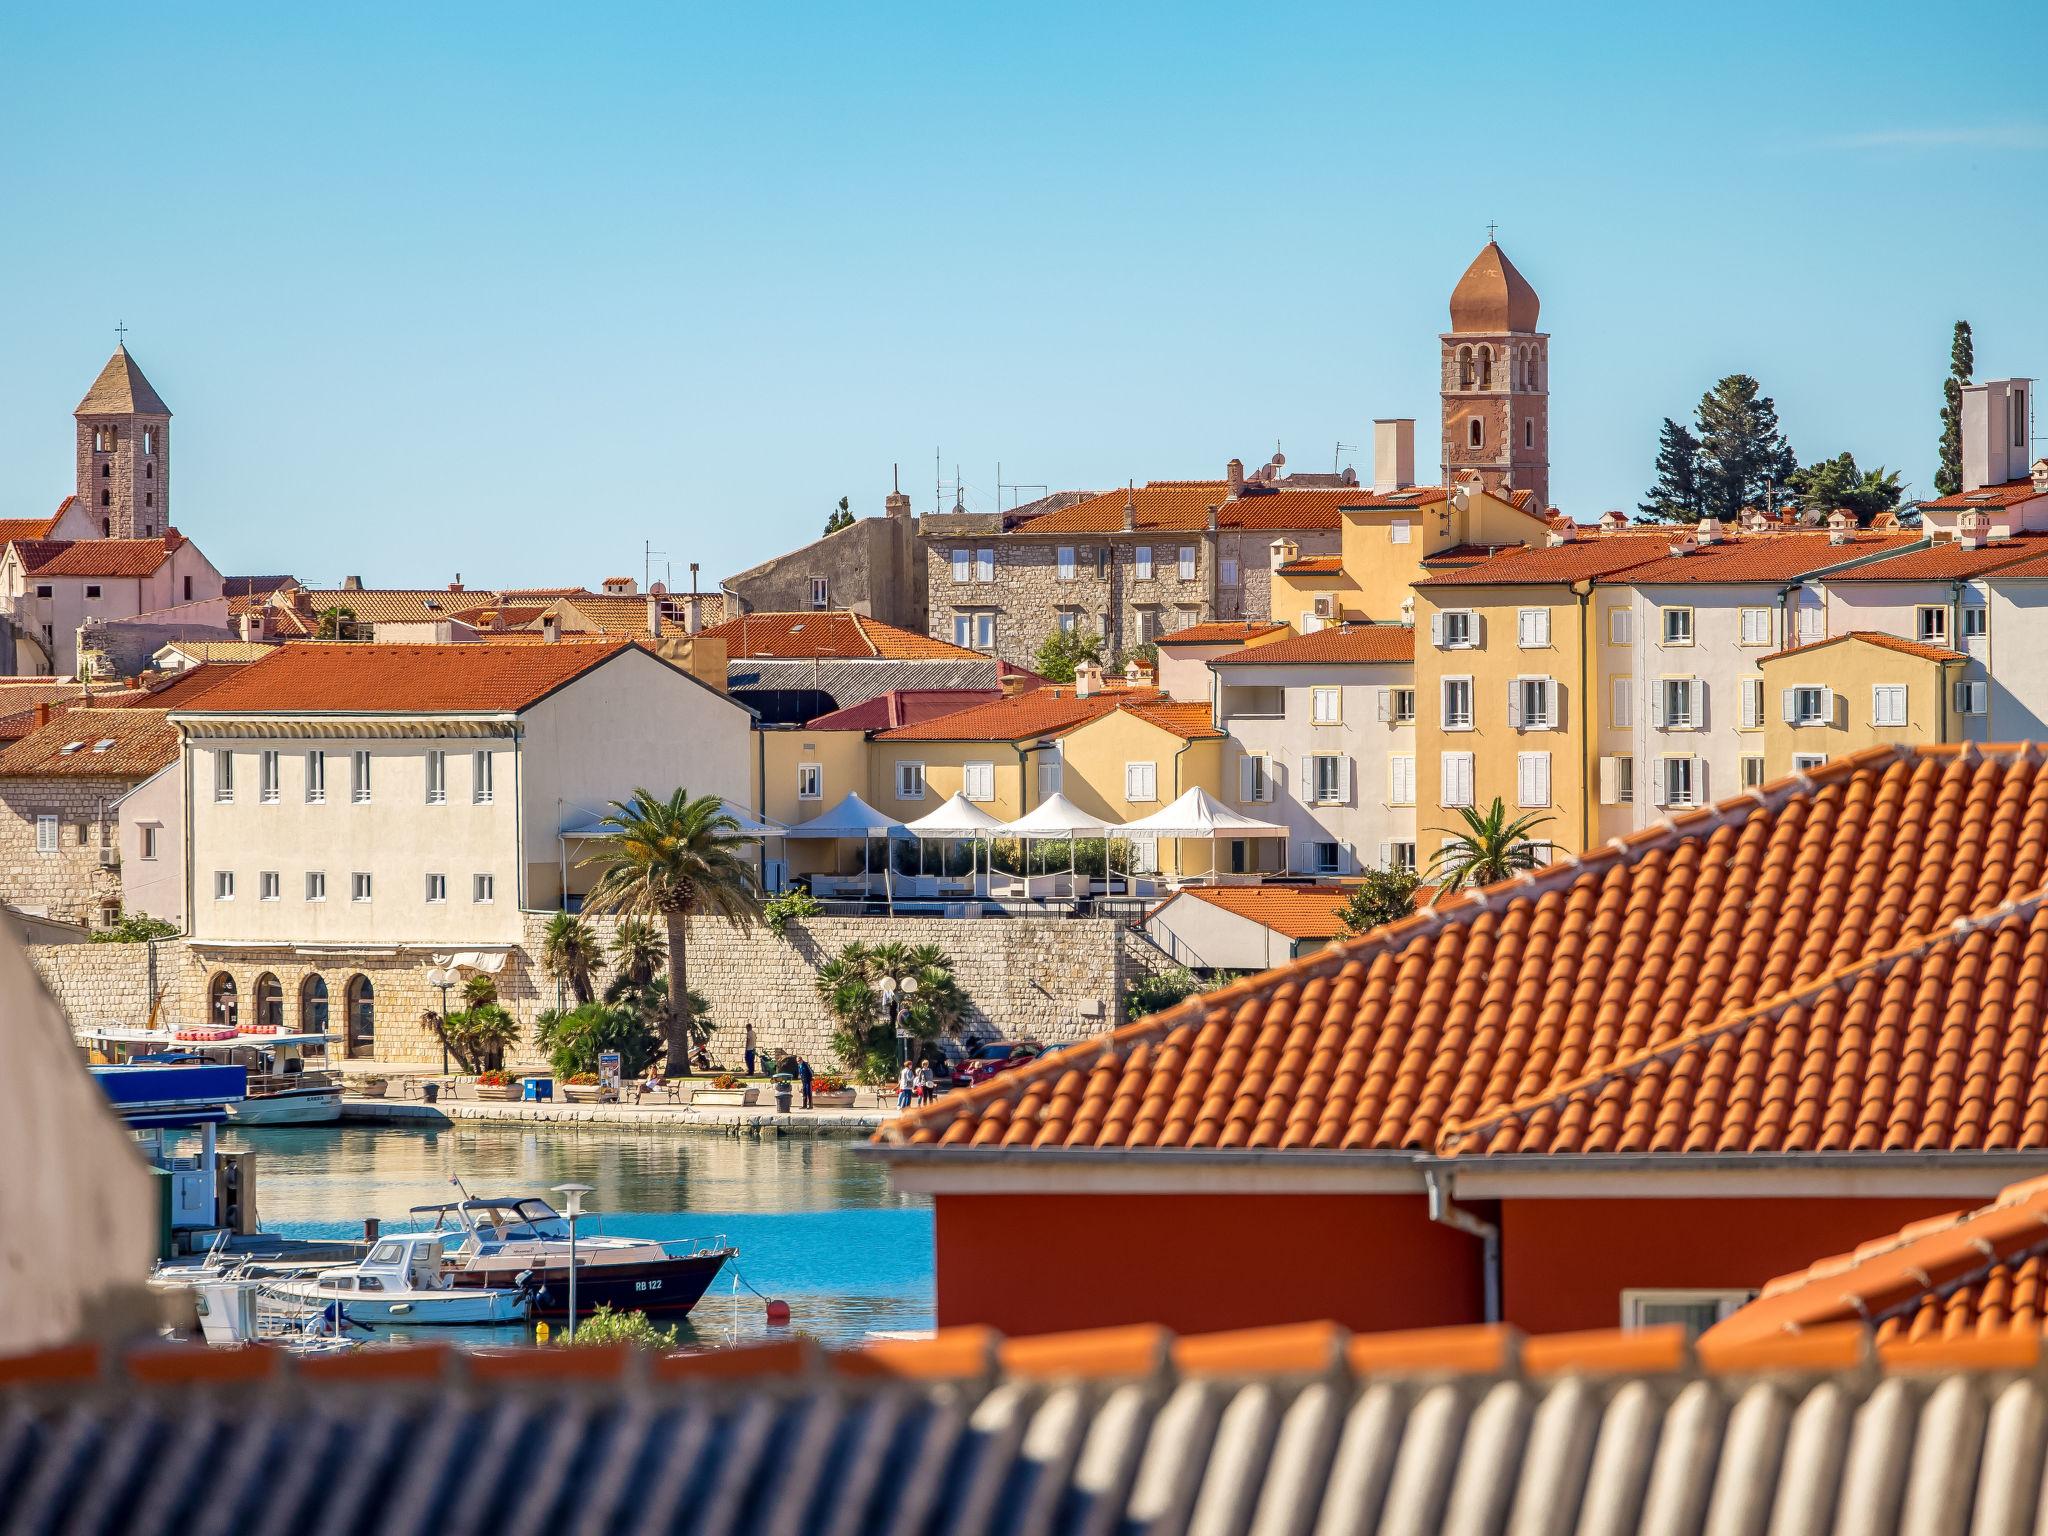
{"type": "Point", "coordinates": [1496, 382]}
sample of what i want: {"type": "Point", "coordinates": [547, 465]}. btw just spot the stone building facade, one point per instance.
{"type": "Point", "coordinates": [57, 847]}
{"type": "Point", "coordinates": [874, 567]}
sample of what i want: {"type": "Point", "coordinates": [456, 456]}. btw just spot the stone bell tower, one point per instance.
{"type": "Point", "coordinates": [1496, 382]}
{"type": "Point", "coordinates": [124, 453]}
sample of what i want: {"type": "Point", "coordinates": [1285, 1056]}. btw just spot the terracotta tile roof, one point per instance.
{"type": "Point", "coordinates": [839, 633]}
{"type": "Point", "coordinates": [2035, 565]}
{"type": "Point", "coordinates": [2010, 494]}
{"type": "Point", "coordinates": [1760, 557]}
{"type": "Point", "coordinates": [1465, 554]}
{"type": "Point", "coordinates": [223, 650]}
{"type": "Point", "coordinates": [112, 558]}
{"type": "Point", "coordinates": [1042, 712]}
{"type": "Point", "coordinates": [183, 687]}
{"type": "Point", "coordinates": [1948, 560]}
{"type": "Point", "coordinates": [1220, 632]}
{"type": "Point", "coordinates": [1360, 643]}
{"type": "Point", "coordinates": [1182, 506]}
{"type": "Point", "coordinates": [1314, 565]}
{"type": "Point", "coordinates": [94, 744]}
{"type": "Point", "coordinates": [1295, 911]}
{"type": "Point", "coordinates": [1580, 560]}
{"type": "Point", "coordinates": [385, 605]}
{"type": "Point", "coordinates": [339, 677]}
{"type": "Point", "coordinates": [1703, 984]}
{"type": "Point", "coordinates": [1190, 722]}
{"type": "Point", "coordinates": [32, 528]}
{"type": "Point", "coordinates": [1876, 638]}
{"type": "Point", "coordinates": [903, 706]}
{"type": "Point", "coordinates": [1970, 1274]}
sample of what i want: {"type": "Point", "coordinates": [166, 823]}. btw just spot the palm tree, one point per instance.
{"type": "Point", "coordinates": [1489, 847]}
{"type": "Point", "coordinates": [675, 858]}
{"type": "Point", "coordinates": [640, 954]}
{"type": "Point", "coordinates": [568, 953]}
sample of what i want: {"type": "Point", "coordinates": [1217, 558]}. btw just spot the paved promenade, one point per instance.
{"type": "Point", "coordinates": [758, 1120]}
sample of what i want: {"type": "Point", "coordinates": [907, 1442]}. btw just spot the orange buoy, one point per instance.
{"type": "Point", "coordinates": [778, 1311]}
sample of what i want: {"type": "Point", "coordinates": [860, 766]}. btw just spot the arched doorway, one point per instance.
{"type": "Point", "coordinates": [313, 1004]}
{"type": "Point", "coordinates": [361, 1017]}
{"type": "Point", "coordinates": [269, 999]}
{"type": "Point", "coordinates": [223, 1007]}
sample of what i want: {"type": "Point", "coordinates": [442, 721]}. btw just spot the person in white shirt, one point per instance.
{"type": "Point", "coordinates": [905, 1081]}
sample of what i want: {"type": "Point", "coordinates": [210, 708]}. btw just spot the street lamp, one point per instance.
{"type": "Point", "coordinates": [444, 979]}
{"type": "Point", "coordinates": [574, 1194]}
{"type": "Point", "coordinates": [895, 993]}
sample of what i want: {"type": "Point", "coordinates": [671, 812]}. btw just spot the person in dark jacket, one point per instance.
{"type": "Point", "coordinates": [803, 1078]}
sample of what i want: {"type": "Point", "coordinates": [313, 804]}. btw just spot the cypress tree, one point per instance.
{"type": "Point", "coordinates": [1962, 361]}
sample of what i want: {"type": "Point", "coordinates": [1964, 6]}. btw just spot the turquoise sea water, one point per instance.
{"type": "Point", "coordinates": [815, 1223]}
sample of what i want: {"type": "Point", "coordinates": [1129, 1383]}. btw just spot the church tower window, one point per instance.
{"type": "Point", "coordinates": [106, 471]}
{"type": "Point", "coordinates": [148, 440]}
{"type": "Point", "coordinates": [1486, 367]}
{"type": "Point", "coordinates": [106, 498]}
{"type": "Point", "coordinates": [1528, 431]}
{"type": "Point", "coordinates": [1475, 433]}
{"type": "Point", "coordinates": [1464, 367]}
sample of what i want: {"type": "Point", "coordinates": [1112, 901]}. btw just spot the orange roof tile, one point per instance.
{"type": "Point", "coordinates": [12, 528]}
{"type": "Point", "coordinates": [1314, 565]}
{"type": "Point", "coordinates": [1042, 712]}
{"type": "Point", "coordinates": [1360, 643]}
{"type": "Point", "coordinates": [1969, 1274]}
{"type": "Point", "coordinates": [1579, 560]}
{"type": "Point", "coordinates": [345, 677]}
{"type": "Point", "coordinates": [98, 557]}
{"type": "Point", "coordinates": [837, 634]}
{"type": "Point", "coordinates": [1769, 557]}
{"type": "Point", "coordinates": [1876, 638]}
{"type": "Point", "coordinates": [1190, 722]}
{"type": "Point", "coordinates": [1221, 632]}
{"type": "Point", "coordinates": [1699, 986]}
{"type": "Point", "coordinates": [1183, 506]}
{"type": "Point", "coordinates": [94, 744]}
{"type": "Point", "coordinates": [185, 686]}
{"type": "Point", "coordinates": [1295, 911]}
{"type": "Point", "coordinates": [2010, 494]}
{"type": "Point", "coordinates": [1948, 560]}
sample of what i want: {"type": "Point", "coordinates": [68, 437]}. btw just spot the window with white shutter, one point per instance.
{"type": "Point", "coordinates": [1532, 704]}
{"type": "Point", "coordinates": [1972, 698]}
{"type": "Point", "coordinates": [1457, 779]}
{"type": "Point", "coordinates": [810, 781]}
{"type": "Point", "coordinates": [1326, 706]}
{"type": "Point", "coordinates": [1676, 704]}
{"type": "Point", "coordinates": [1457, 703]}
{"type": "Point", "coordinates": [978, 781]}
{"type": "Point", "coordinates": [1066, 562]}
{"type": "Point", "coordinates": [1401, 778]}
{"type": "Point", "coordinates": [1327, 774]}
{"type": "Point", "coordinates": [1255, 779]}
{"type": "Point", "coordinates": [1752, 703]}
{"type": "Point", "coordinates": [1455, 629]}
{"type": "Point", "coordinates": [1187, 562]}
{"type": "Point", "coordinates": [1532, 779]}
{"type": "Point", "coordinates": [46, 834]}
{"type": "Point", "coordinates": [910, 781]}
{"type": "Point", "coordinates": [1756, 626]}
{"type": "Point", "coordinates": [1888, 704]}
{"type": "Point", "coordinates": [1752, 772]}
{"type": "Point", "coordinates": [985, 564]}
{"type": "Point", "coordinates": [1144, 562]}
{"type": "Point", "coordinates": [1809, 705]}
{"type": "Point", "coordinates": [1931, 624]}
{"type": "Point", "coordinates": [1397, 856]}
{"type": "Point", "coordinates": [1678, 626]}
{"type": "Point", "coordinates": [1399, 531]}
{"type": "Point", "coordinates": [1532, 628]}
{"type": "Point", "coordinates": [1621, 626]}
{"type": "Point", "coordinates": [1617, 780]}
{"type": "Point", "coordinates": [1678, 781]}
{"type": "Point", "coordinates": [1813, 618]}
{"type": "Point", "coordinates": [1806, 762]}
{"type": "Point", "coordinates": [1976, 619]}
{"type": "Point", "coordinates": [1621, 703]}
{"type": "Point", "coordinates": [1141, 781]}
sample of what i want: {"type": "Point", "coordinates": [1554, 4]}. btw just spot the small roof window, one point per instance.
{"type": "Point", "coordinates": [70, 747]}
{"type": "Point", "coordinates": [103, 743]}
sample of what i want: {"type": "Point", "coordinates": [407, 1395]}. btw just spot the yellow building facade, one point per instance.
{"type": "Point", "coordinates": [1857, 690]}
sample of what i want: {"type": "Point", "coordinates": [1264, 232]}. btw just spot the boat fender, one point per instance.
{"type": "Point", "coordinates": [778, 1311]}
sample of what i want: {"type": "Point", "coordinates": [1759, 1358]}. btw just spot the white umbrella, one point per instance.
{"type": "Point", "coordinates": [1200, 814]}
{"type": "Point", "coordinates": [853, 817]}
{"type": "Point", "coordinates": [958, 818]}
{"type": "Point", "coordinates": [1057, 816]}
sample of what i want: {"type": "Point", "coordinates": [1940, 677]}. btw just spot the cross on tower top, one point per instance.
{"type": "Point", "coordinates": [120, 333]}
{"type": "Point", "coordinates": [1490, 228]}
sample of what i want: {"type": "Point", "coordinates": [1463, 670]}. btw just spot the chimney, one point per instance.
{"type": "Point", "coordinates": [252, 626]}
{"type": "Point", "coordinates": [654, 617]}
{"type": "Point", "coordinates": [1212, 519]}
{"type": "Point", "coordinates": [1709, 530]}
{"type": "Point", "coordinates": [351, 583]}
{"type": "Point", "coordinates": [1234, 473]}
{"type": "Point", "coordinates": [1013, 684]}
{"type": "Point", "coordinates": [1137, 674]}
{"type": "Point", "coordinates": [456, 584]}
{"type": "Point", "coordinates": [551, 626]}
{"type": "Point", "coordinates": [693, 613]}
{"type": "Point", "coordinates": [1130, 509]}
{"type": "Point", "coordinates": [1393, 454]}
{"type": "Point", "coordinates": [1087, 679]}
{"type": "Point", "coordinates": [1997, 431]}
{"type": "Point", "coordinates": [1970, 530]}
{"type": "Point", "coordinates": [1284, 552]}
{"type": "Point", "coordinates": [896, 503]}
{"type": "Point", "coordinates": [42, 715]}
{"type": "Point", "coordinates": [2040, 473]}
{"type": "Point", "coordinates": [1562, 531]}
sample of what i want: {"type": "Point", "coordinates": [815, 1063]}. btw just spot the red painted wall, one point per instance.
{"type": "Point", "coordinates": [1565, 1263]}
{"type": "Point", "coordinates": [1198, 1263]}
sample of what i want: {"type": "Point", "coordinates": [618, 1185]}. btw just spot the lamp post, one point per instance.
{"type": "Point", "coordinates": [895, 993]}
{"type": "Point", "coordinates": [444, 979]}
{"type": "Point", "coordinates": [573, 1194]}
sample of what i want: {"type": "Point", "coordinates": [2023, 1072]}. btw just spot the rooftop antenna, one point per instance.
{"type": "Point", "coordinates": [1336, 459]}
{"type": "Point", "coordinates": [647, 554]}
{"type": "Point", "coordinates": [938, 483]}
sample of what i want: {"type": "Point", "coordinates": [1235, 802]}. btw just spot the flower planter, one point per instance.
{"type": "Point", "coordinates": [732, 1098]}
{"type": "Point", "coordinates": [500, 1093]}
{"type": "Point", "coordinates": [581, 1093]}
{"type": "Point", "coordinates": [372, 1087]}
{"type": "Point", "coordinates": [838, 1098]}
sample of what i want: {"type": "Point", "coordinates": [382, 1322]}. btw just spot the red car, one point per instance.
{"type": "Point", "coordinates": [986, 1060]}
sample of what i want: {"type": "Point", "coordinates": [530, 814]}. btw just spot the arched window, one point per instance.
{"type": "Point", "coordinates": [1529, 370]}
{"type": "Point", "coordinates": [313, 1004]}
{"type": "Point", "coordinates": [223, 1007]}
{"type": "Point", "coordinates": [106, 497]}
{"type": "Point", "coordinates": [1464, 367]}
{"type": "Point", "coordinates": [1475, 433]}
{"type": "Point", "coordinates": [149, 440]}
{"type": "Point", "coordinates": [269, 997]}
{"type": "Point", "coordinates": [1486, 367]}
{"type": "Point", "coordinates": [360, 1001]}
{"type": "Point", "coordinates": [107, 471]}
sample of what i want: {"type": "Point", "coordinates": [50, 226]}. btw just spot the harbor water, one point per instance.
{"type": "Point", "coordinates": [815, 1223]}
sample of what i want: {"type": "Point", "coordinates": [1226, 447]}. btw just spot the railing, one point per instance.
{"type": "Point", "coordinates": [261, 1083]}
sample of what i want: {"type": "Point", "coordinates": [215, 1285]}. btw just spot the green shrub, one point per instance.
{"type": "Point", "coordinates": [1161, 990]}
{"type": "Point", "coordinates": [607, 1325]}
{"type": "Point", "coordinates": [850, 984]}
{"type": "Point", "coordinates": [792, 906]}
{"type": "Point", "coordinates": [477, 1037]}
{"type": "Point", "coordinates": [136, 929]}
{"type": "Point", "coordinates": [572, 1039]}
{"type": "Point", "coordinates": [1382, 896]}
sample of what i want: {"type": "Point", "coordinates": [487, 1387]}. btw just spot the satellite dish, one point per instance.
{"type": "Point", "coordinates": [1279, 460]}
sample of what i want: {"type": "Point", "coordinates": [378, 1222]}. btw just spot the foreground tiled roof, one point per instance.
{"type": "Point", "coordinates": [1220, 632]}
{"type": "Point", "coordinates": [1041, 712]}
{"type": "Point", "coordinates": [94, 744]}
{"type": "Point", "coordinates": [1576, 561]}
{"type": "Point", "coordinates": [1878, 638]}
{"type": "Point", "coordinates": [2010, 494]}
{"type": "Point", "coordinates": [1268, 1432]}
{"type": "Point", "coordinates": [1753, 557]}
{"type": "Point", "coordinates": [111, 558]}
{"type": "Point", "coordinates": [840, 634]}
{"type": "Point", "coordinates": [1782, 973]}
{"type": "Point", "coordinates": [1360, 643]}
{"type": "Point", "coordinates": [181, 688]}
{"type": "Point", "coordinates": [1297, 911]}
{"type": "Point", "coordinates": [334, 677]}
{"type": "Point", "coordinates": [1969, 1274]}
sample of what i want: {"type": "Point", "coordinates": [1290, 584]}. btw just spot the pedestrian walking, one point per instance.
{"type": "Point", "coordinates": [925, 1081]}
{"type": "Point", "coordinates": [905, 1082]}
{"type": "Point", "coordinates": [803, 1078]}
{"type": "Point", "coordinates": [750, 1050]}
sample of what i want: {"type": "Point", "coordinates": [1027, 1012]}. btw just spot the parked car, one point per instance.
{"type": "Point", "coordinates": [993, 1056]}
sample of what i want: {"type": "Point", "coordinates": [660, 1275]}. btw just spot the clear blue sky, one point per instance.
{"type": "Point", "coordinates": [506, 290]}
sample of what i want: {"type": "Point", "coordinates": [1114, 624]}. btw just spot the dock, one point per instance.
{"type": "Point", "coordinates": [762, 1120]}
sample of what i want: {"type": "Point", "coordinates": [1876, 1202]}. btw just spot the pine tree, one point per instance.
{"type": "Point", "coordinates": [1742, 452]}
{"type": "Point", "coordinates": [1962, 361]}
{"type": "Point", "coordinates": [1676, 495]}
{"type": "Point", "coordinates": [842, 517]}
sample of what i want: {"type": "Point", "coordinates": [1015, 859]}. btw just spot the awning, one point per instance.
{"type": "Point", "coordinates": [1200, 814]}
{"type": "Point", "coordinates": [958, 817]}
{"type": "Point", "coordinates": [492, 961]}
{"type": "Point", "coordinates": [851, 817]}
{"type": "Point", "coordinates": [1057, 816]}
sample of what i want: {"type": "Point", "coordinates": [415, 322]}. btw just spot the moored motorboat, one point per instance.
{"type": "Point", "coordinates": [493, 1242]}
{"type": "Point", "coordinates": [405, 1280]}
{"type": "Point", "coordinates": [289, 1083]}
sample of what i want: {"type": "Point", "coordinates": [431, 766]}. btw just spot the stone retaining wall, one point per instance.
{"type": "Point", "coordinates": [1057, 979]}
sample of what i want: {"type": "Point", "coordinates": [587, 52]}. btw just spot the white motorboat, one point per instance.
{"type": "Point", "coordinates": [289, 1083]}
{"type": "Point", "coordinates": [236, 1312]}
{"type": "Point", "coordinates": [405, 1280]}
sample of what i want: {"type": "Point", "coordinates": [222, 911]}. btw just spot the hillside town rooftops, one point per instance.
{"type": "Point", "coordinates": [345, 677]}
{"type": "Point", "coordinates": [1353, 644]}
{"type": "Point", "coordinates": [1947, 560]}
{"type": "Point", "coordinates": [838, 634]}
{"type": "Point", "coordinates": [1042, 712]}
{"type": "Point", "coordinates": [1221, 632]}
{"type": "Point", "coordinates": [902, 706]}
{"type": "Point", "coordinates": [2010, 494]}
{"type": "Point", "coordinates": [1738, 979]}
{"type": "Point", "coordinates": [1314, 565]}
{"type": "Point", "coordinates": [1882, 641]}
{"type": "Point", "coordinates": [1760, 557]}
{"type": "Point", "coordinates": [1293, 911]}
{"type": "Point", "coordinates": [93, 744]}
{"type": "Point", "coordinates": [33, 528]}
{"type": "Point", "coordinates": [1182, 506]}
{"type": "Point", "coordinates": [1535, 565]}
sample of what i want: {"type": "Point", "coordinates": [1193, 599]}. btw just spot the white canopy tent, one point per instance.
{"type": "Point", "coordinates": [854, 817]}
{"type": "Point", "coordinates": [1200, 814]}
{"type": "Point", "coordinates": [957, 820]}
{"type": "Point", "coordinates": [1054, 817]}
{"type": "Point", "coordinates": [586, 826]}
